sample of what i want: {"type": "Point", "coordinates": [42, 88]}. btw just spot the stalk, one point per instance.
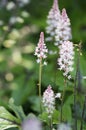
{"type": "Point", "coordinates": [83, 112]}
{"type": "Point", "coordinates": [75, 126]}
{"type": "Point", "coordinates": [65, 83]}
{"type": "Point", "coordinates": [50, 123]}
{"type": "Point", "coordinates": [75, 85]}
{"type": "Point", "coordinates": [40, 79]}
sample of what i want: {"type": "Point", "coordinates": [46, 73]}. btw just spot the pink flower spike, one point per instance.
{"type": "Point", "coordinates": [63, 30]}
{"type": "Point", "coordinates": [41, 40]}
{"type": "Point", "coordinates": [49, 101]}
{"type": "Point", "coordinates": [55, 5]}
{"type": "Point", "coordinates": [65, 60]}
{"type": "Point", "coordinates": [41, 49]}
{"type": "Point", "coordinates": [52, 21]}
{"type": "Point", "coordinates": [64, 14]}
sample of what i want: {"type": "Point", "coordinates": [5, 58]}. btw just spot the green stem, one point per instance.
{"type": "Point", "coordinates": [75, 91]}
{"type": "Point", "coordinates": [40, 79]}
{"type": "Point", "coordinates": [75, 87]}
{"type": "Point", "coordinates": [61, 118]}
{"type": "Point", "coordinates": [50, 123]}
{"type": "Point", "coordinates": [83, 113]}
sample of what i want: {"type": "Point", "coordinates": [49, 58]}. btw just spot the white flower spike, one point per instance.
{"type": "Point", "coordinates": [52, 21]}
{"type": "Point", "coordinates": [49, 101]}
{"type": "Point", "coordinates": [41, 49]}
{"type": "Point", "coordinates": [65, 60]}
{"type": "Point", "coordinates": [63, 30]}
{"type": "Point", "coordinates": [58, 25]}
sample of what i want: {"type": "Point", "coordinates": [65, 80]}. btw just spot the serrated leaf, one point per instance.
{"type": "Point", "coordinates": [7, 120]}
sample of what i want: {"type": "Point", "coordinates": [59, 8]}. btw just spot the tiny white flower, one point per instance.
{"type": "Point", "coordinates": [58, 95]}
{"type": "Point", "coordinates": [45, 63]}
{"type": "Point", "coordinates": [84, 77]}
{"type": "Point", "coordinates": [38, 60]}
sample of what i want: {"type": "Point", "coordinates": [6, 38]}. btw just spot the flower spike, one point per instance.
{"type": "Point", "coordinates": [49, 101]}
{"type": "Point", "coordinates": [66, 58]}
{"type": "Point", "coordinates": [41, 49]}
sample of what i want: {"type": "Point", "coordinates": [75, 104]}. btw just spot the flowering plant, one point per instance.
{"type": "Point", "coordinates": [33, 103]}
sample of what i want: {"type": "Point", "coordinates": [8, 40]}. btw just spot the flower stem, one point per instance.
{"type": "Point", "coordinates": [83, 113]}
{"type": "Point", "coordinates": [75, 86]}
{"type": "Point", "coordinates": [75, 91]}
{"type": "Point", "coordinates": [40, 79]}
{"type": "Point", "coordinates": [62, 101]}
{"type": "Point", "coordinates": [50, 123]}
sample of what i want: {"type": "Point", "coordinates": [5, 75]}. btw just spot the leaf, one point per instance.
{"type": "Point", "coordinates": [21, 94]}
{"type": "Point", "coordinates": [31, 115]}
{"type": "Point", "coordinates": [35, 103]}
{"type": "Point", "coordinates": [67, 115]}
{"type": "Point", "coordinates": [7, 120]}
{"type": "Point", "coordinates": [5, 124]}
{"type": "Point", "coordinates": [55, 116]}
{"type": "Point", "coordinates": [44, 117]}
{"type": "Point", "coordinates": [70, 100]}
{"type": "Point", "coordinates": [18, 111]}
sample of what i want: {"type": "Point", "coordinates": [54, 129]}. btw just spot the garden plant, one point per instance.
{"type": "Point", "coordinates": [42, 68]}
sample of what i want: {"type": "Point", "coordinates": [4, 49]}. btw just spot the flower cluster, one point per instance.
{"type": "Point", "coordinates": [66, 58]}
{"type": "Point", "coordinates": [58, 25]}
{"type": "Point", "coordinates": [41, 49]}
{"type": "Point", "coordinates": [63, 30]}
{"type": "Point", "coordinates": [52, 21]}
{"type": "Point", "coordinates": [49, 101]}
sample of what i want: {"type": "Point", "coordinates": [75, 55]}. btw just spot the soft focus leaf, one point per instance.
{"type": "Point", "coordinates": [5, 124]}
{"type": "Point", "coordinates": [18, 110]}
{"type": "Point", "coordinates": [7, 120]}
{"type": "Point", "coordinates": [67, 114]}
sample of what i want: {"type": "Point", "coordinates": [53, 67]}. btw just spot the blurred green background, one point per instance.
{"type": "Point", "coordinates": [21, 22]}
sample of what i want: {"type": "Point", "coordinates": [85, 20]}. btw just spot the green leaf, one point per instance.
{"type": "Point", "coordinates": [55, 117]}
{"type": "Point", "coordinates": [31, 115]}
{"type": "Point", "coordinates": [70, 100]}
{"type": "Point", "coordinates": [35, 103]}
{"type": "Point", "coordinates": [5, 124]}
{"type": "Point", "coordinates": [18, 111]}
{"type": "Point", "coordinates": [67, 115]}
{"type": "Point", "coordinates": [44, 117]}
{"type": "Point", "coordinates": [7, 120]}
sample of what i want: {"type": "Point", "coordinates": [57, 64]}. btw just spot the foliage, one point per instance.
{"type": "Point", "coordinates": [19, 33]}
